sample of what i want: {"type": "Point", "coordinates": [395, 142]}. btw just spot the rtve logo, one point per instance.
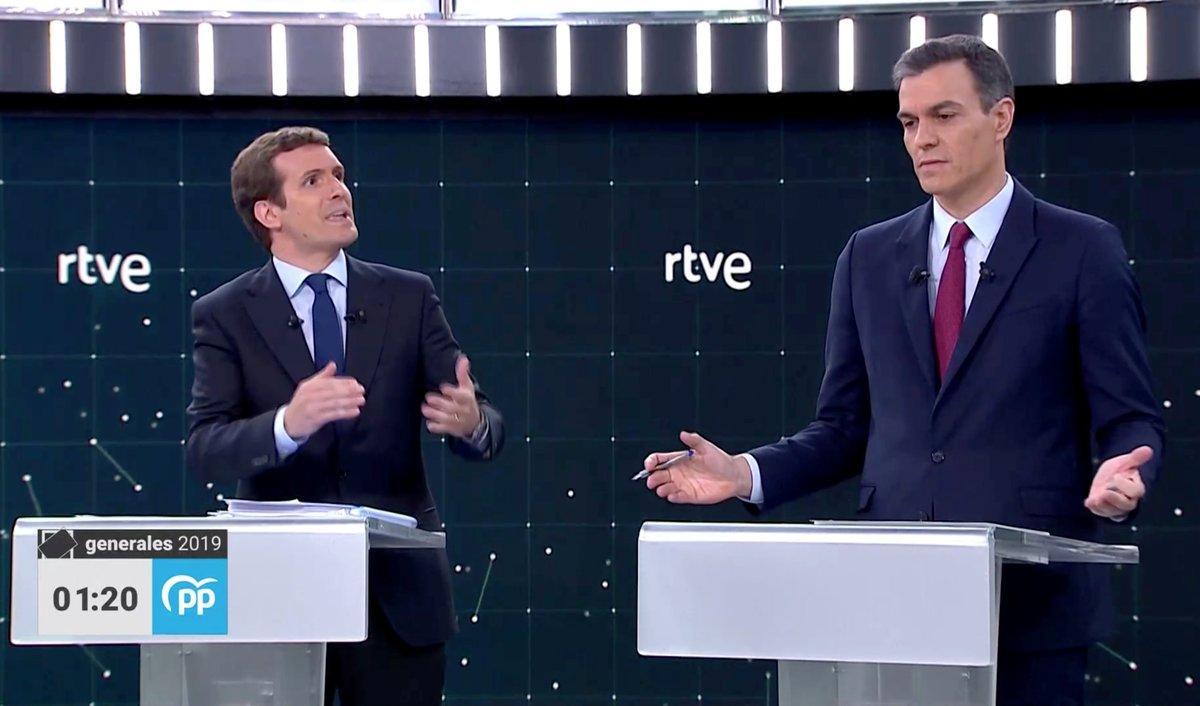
{"type": "Point", "coordinates": [194, 597]}
{"type": "Point", "coordinates": [721, 265]}
{"type": "Point", "coordinates": [107, 268]}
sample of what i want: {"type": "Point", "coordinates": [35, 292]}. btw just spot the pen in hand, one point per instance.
{"type": "Point", "coordinates": [644, 472]}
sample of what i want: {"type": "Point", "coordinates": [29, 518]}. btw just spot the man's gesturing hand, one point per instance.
{"type": "Point", "coordinates": [454, 412]}
{"type": "Point", "coordinates": [321, 399]}
{"type": "Point", "coordinates": [709, 476]}
{"type": "Point", "coordinates": [1117, 488]}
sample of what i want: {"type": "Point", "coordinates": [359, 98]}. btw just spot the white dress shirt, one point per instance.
{"type": "Point", "coordinates": [301, 298]}
{"type": "Point", "coordinates": [985, 224]}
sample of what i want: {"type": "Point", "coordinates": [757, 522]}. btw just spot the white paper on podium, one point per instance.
{"type": "Point", "coordinates": [277, 508]}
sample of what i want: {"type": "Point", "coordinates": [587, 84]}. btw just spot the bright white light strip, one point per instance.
{"type": "Point", "coordinates": [363, 8]}
{"type": "Point", "coordinates": [1138, 44]}
{"type": "Point", "coordinates": [350, 60]}
{"type": "Point", "coordinates": [133, 58]}
{"type": "Point", "coordinates": [58, 57]}
{"type": "Point", "coordinates": [279, 74]}
{"type": "Point", "coordinates": [991, 30]}
{"type": "Point", "coordinates": [703, 57]}
{"type": "Point", "coordinates": [633, 60]}
{"type": "Point", "coordinates": [206, 65]}
{"type": "Point", "coordinates": [846, 54]}
{"type": "Point", "coordinates": [421, 59]}
{"type": "Point", "coordinates": [827, 4]}
{"type": "Point", "coordinates": [513, 9]}
{"type": "Point", "coordinates": [916, 31]}
{"type": "Point", "coordinates": [491, 36]}
{"type": "Point", "coordinates": [774, 56]}
{"type": "Point", "coordinates": [562, 55]}
{"type": "Point", "coordinates": [1062, 46]}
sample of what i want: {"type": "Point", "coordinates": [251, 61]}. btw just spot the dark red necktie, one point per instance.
{"type": "Point", "coordinates": [951, 298]}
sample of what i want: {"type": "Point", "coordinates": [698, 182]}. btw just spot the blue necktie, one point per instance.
{"type": "Point", "coordinates": [327, 332]}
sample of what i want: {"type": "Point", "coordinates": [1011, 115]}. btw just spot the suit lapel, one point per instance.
{"type": "Point", "coordinates": [1013, 244]}
{"type": "Point", "coordinates": [270, 311]}
{"type": "Point", "coordinates": [913, 255]}
{"type": "Point", "coordinates": [369, 303]}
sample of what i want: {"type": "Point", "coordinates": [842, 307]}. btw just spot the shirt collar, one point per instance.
{"type": "Point", "coordinates": [293, 277]}
{"type": "Point", "coordinates": [984, 223]}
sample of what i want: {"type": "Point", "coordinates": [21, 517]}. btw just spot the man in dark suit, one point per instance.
{"type": "Point", "coordinates": [312, 375]}
{"type": "Point", "coordinates": [984, 351]}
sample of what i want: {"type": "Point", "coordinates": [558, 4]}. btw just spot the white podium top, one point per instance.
{"type": "Point", "coordinates": [883, 592]}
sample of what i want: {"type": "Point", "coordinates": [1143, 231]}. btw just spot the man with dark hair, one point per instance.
{"type": "Point", "coordinates": [312, 375]}
{"type": "Point", "coordinates": [982, 350]}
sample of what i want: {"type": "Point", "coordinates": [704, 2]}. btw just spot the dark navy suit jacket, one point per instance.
{"type": "Point", "coordinates": [1049, 375]}
{"type": "Point", "coordinates": [248, 362]}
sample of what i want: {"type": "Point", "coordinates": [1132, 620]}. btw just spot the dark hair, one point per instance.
{"type": "Point", "coordinates": [993, 80]}
{"type": "Point", "coordinates": [253, 176]}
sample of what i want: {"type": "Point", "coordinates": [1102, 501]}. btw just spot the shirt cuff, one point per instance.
{"type": "Point", "coordinates": [756, 492]}
{"type": "Point", "coordinates": [479, 437]}
{"type": "Point", "coordinates": [284, 445]}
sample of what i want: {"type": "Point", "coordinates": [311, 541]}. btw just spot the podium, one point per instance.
{"type": "Point", "coordinates": [229, 610]}
{"type": "Point", "coordinates": [856, 613]}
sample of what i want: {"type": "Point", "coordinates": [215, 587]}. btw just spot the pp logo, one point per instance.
{"type": "Point", "coordinates": [194, 597]}
{"type": "Point", "coordinates": [191, 597]}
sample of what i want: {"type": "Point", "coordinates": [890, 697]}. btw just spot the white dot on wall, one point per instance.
{"type": "Point", "coordinates": [604, 584]}
{"type": "Point", "coordinates": [1179, 512]}
{"type": "Point", "coordinates": [464, 661]}
{"type": "Point", "coordinates": [145, 321]}
{"type": "Point", "coordinates": [492, 556]}
{"type": "Point", "coordinates": [192, 292]}
{"type": "Point", "coordinates": [220, 497]}
{"type": "Point", "coordinates": [107, 673]}
{"type": "Point", "coordinates": [124, 418]}
{"type": "Point", "coordinates": [554, 686]}
{"type": "Point", "coordinates": [474, 618]}
{"type": "Point", "coordinates": [116, 477]}
{"type": "Point", "coordinates": [208, 486]}
{"type": "Point", "coordinates": [83, 414]}
{"type": "Point", "coordinates": [1189, 681]}
{"type": "Point", "coordinates": [92, 356]}
{"type": "Point", "coordinates": [41, 390]}
{"type": "Point", "coordinates": [458, 568]}
{"type": "Point", "coordinates": [26, 477]}
{"type": "Point", "coordinates": [137, 488]}
{"type": "Point", "coordinates": [116, 389]}
{"type": "Point", "coordinates": [158, 414]}
{"type": "Point", "coordinates": [67, 384]}
{"type": "Point", "coordinates": [549, 551]}
{"type": "Point", "coordinates": [1133, 666]}
{"type": "Point", "coordinates": [93, 441]}
{"type": "Point", "coordinates": [96, 327]}
{"type": "Point", "coordinates": [1167, 404]}
{"type": "Point", "coordinates": [1196, 393]}
{"type": "Point", "coordinates": [570, 493]}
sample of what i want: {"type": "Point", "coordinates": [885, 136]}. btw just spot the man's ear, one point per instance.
{"type": "Point", "coordinates": [1004, 111]}
{"type": "Point", "coordinates": [267, 214]}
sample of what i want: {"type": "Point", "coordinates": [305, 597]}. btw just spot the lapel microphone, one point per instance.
{"type": "Point", "coordinates": [986, 273]}
{"type": "Point", "coordinates": [356, 317]}
{"type": "Point", "coordinates": [918, 275]}
{"type": "Point", "coordinates": [294, 321]}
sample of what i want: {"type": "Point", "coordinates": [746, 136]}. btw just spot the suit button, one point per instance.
{"type": "Point", "coordinates": [938, 457]}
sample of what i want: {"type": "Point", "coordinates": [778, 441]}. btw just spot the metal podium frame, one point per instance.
{"type": "Point", "coordinates": [856, 613]}
{"type": "Point", "coordinates": [295, 582]}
